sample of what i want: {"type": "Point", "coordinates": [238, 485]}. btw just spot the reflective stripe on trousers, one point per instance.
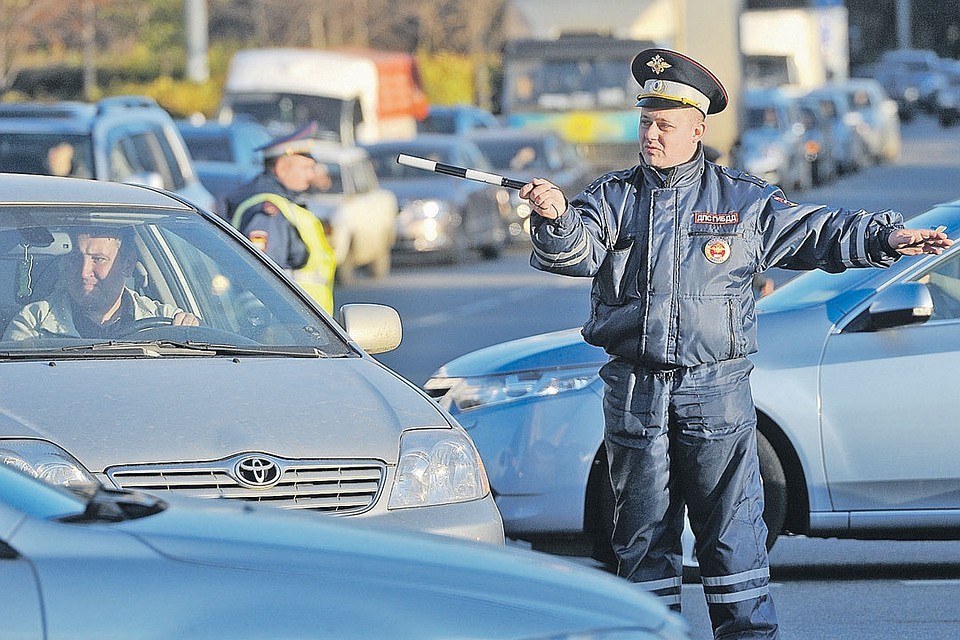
{"type": "Point", "coordinates": [687, 436]}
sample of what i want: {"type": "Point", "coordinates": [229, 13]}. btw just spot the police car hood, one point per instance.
{"type": "Point", "coordinates": [126, 411]}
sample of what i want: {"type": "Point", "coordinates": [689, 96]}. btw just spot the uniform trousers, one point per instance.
{"type": "Point", "coordinates": [686, 437]}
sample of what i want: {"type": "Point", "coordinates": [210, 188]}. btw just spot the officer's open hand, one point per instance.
{"type": "Point", "coordinates": [913, 242]}
{"type": "Point", "coordinates": [544, 197]}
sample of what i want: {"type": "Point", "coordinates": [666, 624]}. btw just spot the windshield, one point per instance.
{"type": "Point", "coordinates": [561, 85]}
{"type": "Point", "coordinates": [818, 287]}
{"type": "Point", "coordinates": [284, 113]}
{"type": "Point", "coordinates": [75, 277]}
{"type": "Point", "coordinates": [46, 154]}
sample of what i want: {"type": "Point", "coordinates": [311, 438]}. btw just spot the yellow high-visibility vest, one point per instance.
{"type": "Point", "coordinates": [316, 276]}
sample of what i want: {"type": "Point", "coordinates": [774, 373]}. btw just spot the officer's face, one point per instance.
{"type": "Point", "coordinates": [295, 172]}
{"type": "Point", "coordinates": [97, 273]}
{"type": "Point", "coordinates": [669, 137]}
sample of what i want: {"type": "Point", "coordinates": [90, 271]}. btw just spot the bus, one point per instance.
{"type": "Point", "coordinates": [579, 85]}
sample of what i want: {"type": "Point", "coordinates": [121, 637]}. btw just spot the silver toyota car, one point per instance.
{"type": "Point", "coordinates": [147, 345]}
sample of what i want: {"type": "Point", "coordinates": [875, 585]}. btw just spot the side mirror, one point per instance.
{"type": "Point", "coordinates": [375, 327]}
{"type": "Point", "coordinates": [900, 305]}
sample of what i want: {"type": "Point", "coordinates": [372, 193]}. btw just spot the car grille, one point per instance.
{"type": "Point", "coordinates": [341, 487]}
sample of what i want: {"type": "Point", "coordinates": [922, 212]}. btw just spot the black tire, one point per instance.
{"type": "Point", "coordinates": [603, 531]}
{"type": "Point", "coordinates": [774, 489]}
{"type": "Point", "coordinates": [774, 500]}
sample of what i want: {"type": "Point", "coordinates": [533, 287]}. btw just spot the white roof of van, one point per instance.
{"type": "Point", "coordinates": [306, 71]}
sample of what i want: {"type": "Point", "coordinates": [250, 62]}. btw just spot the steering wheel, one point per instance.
{"type": "Point", "coordinates": [146, 324]}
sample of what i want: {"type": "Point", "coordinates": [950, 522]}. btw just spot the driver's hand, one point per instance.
{"type": "Point", "coordinates": [186, 319]}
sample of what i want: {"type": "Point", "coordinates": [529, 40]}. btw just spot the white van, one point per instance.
{"type": "Point", "coordinates": [359, 96]}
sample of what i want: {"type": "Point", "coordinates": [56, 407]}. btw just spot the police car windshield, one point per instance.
{"type": "Point", "coordinates": [77, 275]}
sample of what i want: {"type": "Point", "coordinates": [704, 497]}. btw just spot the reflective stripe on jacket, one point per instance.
{"type": "Point", "coordinates": [673, 256]}
{"type": "Point", "coordinates": [316, 276]}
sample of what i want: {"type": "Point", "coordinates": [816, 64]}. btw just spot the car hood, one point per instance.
{"type": "Point", "coordinates": [433, 572]}
{"type": "Point", "coordinates": [108, 412]}
{"type": "Point", "coordinates": [544, 351]}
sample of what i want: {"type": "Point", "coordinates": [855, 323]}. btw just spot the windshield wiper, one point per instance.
{"type": "Point", "coordinates": [244, 350]}
{"type": "Point", "coordinates": [160, 348]}
{"type": "Point", "coordinates": [113, 505]}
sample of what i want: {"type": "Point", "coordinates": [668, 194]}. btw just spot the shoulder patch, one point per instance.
{"type": "Point", "coordinates": [259, 239]}
{"type": "Point", "coordinates": [782, 200]}
{"type": "Point", "coordinates": [736, 174]}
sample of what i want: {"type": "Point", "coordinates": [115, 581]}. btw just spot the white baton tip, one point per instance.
{"type": "Point", "coordinates": [419, 163]}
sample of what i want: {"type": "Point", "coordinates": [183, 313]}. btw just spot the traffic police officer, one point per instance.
{"type": "Point", "coordinates": [267, 211]}
{"type": "Point", "coordinates": [672, 245]}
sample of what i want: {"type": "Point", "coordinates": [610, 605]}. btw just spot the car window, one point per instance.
{"type": "Point", "coordinates": [207, 148]}
{"type": "Point", "coordinates": [943, 282]}
{"type": "Point", "coordinates": [30, 153]}
{"type": "Point", "coordinates": [178, 264]}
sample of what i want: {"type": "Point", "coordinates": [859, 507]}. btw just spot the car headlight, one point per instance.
{"type": "Point", "coordinates": [471, 393]}
{"type": "Point", "coordinates": [437, 466]}
{"type": "Point", "coordinates": [46, 461]}
{"type": "Point", "coordinates": [418, 210]}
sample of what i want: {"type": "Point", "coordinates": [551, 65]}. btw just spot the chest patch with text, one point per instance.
{"type": "Point", "coordinates": [704, 217]}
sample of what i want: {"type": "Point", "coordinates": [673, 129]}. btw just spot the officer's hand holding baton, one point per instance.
{"type": "Point", "coordinates": [545, 197]}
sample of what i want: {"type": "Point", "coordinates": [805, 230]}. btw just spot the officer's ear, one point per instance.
{"type": "Point", "coordinates": [700, 125]}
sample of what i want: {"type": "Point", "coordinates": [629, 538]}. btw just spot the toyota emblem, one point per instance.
{"type": "Point", "coordinates": [257, 472]}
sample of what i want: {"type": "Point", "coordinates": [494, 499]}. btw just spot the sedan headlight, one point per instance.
{"type": "Point", "coordinates": [437, 466]}
{"type": "Point", "coordinates": [419, 210]}
{"type": "Point", "coordinates": [46, 461]}
{"type": "Point", "coordinates": [471, 393]}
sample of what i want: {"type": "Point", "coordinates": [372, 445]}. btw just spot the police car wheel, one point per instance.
{"type": "Point", "coordinates": [774, 489]}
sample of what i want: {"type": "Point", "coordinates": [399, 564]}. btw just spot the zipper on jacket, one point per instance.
{"type": "Point", "coordinates": [731, 317]}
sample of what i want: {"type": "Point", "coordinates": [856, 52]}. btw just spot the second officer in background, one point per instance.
{"type": "Point", "coordinates": [268, 212]}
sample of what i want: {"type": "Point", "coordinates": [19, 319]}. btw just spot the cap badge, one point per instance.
{"type": "Point", "coordinates": [717, 250]}
{"type": "Point", "coordinates": [658, 64]}
{"type": "Point", "coordinates": [658, 86]}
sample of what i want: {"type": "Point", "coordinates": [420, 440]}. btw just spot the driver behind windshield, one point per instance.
{"type": "Point", "coordinates": [92, 300]}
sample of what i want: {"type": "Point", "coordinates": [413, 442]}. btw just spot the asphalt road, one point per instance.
{"type": "Point", "coordinates": [824, 589]}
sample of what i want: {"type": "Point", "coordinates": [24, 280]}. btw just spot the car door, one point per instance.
{"type": "Point", "coordinates": [891, 438]}
{"type": "Point", "coordinates": [21, 613]}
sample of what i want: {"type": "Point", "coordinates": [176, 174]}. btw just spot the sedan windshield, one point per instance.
{"type": "Point", "coordinates": [818, 287]}
{"type": "Point", "coordinates": [81, 281]}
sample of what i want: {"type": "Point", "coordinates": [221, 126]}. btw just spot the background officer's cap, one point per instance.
{"type": "Point", "coordinates": [669, 79]}
{"type": "Point", "coordinates": [300, 142]}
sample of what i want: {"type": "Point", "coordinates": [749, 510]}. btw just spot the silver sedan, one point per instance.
{"type": "Point", "coordinates": [856, 436]}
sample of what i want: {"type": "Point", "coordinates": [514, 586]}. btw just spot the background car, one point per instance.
{"type": "Point", "coordinates": [948, 100]}
{"type": "Point", "coordinates": [879, 115]}
{"type": "Point", "coordinates": [457, 119]}
{"type": "Point", "coordinates": [912, 78]}
{"type": "Point", "coordinates": [179, 568]}
{"type": "Point", "coordinates": [440, 215]}
{"type": "Point", "coordinates": [847, 128]}
{"type": "Point", "coordinates": [224, 154]}
{"type": "Point", "coordinates": [122, 139]}
{"type": "Point", "coordinates": [358, 215]}
{"type": "Point", "coordinates": [818, 140]}
{"type": "Point", "coordinates": [523, 154]}
{"type": "Point", "coordinates": [267, 400]}
{"type": "Point", "coordinates": [853, 438]}
{"type": "Point", "coordinates": [771, 143]}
